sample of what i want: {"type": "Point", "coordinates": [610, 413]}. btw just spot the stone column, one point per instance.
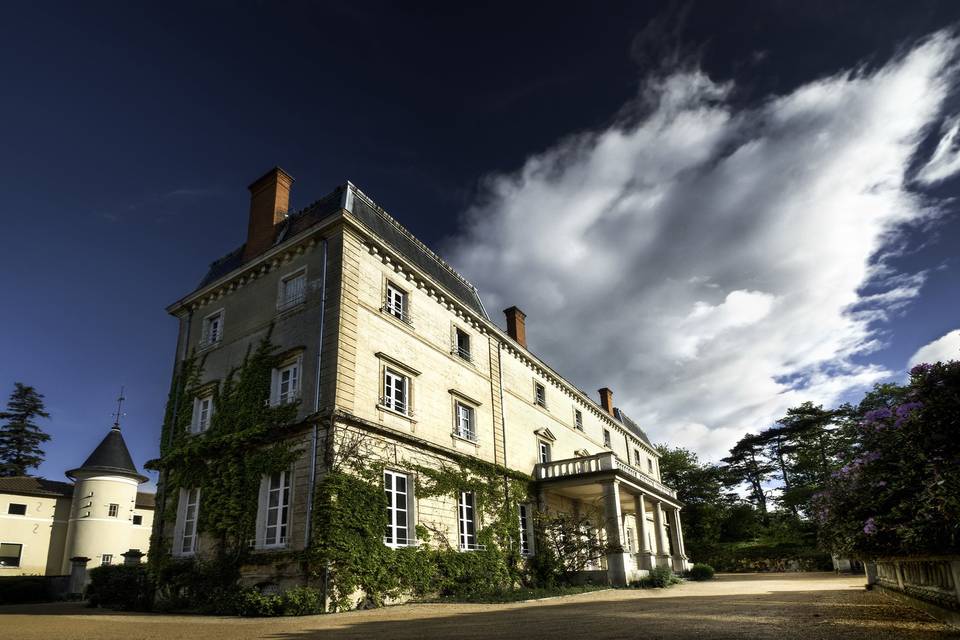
{"type": "Point", "coordinates": [78, 574]}
{"type": "Point", "coordinates": [616, 560]}
{"type": "Point", "coordinates": [660, 536]}
{"type": "Point", "coordinates": [133, 556]}
{"type": "Point", "coordinates": [679, 558]}
{"type": "Point", "coordinates": [645, 557]}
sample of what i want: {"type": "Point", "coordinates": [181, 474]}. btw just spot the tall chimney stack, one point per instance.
{"type": "Point", "coordinates": [606, 400]}
{"type": "Point", "coordinates": [516, 325]}
{"type": "Point", "coordinates": [269, 201]}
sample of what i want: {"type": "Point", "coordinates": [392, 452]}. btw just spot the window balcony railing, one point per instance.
{"type": "Point", "coordinates": [208, 342]}
{"type": "Point", "coordinates": [292, 300]}
{"type": "Point", "coordinates": [461, 352]}
{"type": "Point", "coordinates": [395, 406]}
{"type": "Point", "coordinates": [253, 543]}
{"type": "Point", "coordinates": [397, 312]}
{"type": "Point", "coordinates": [464, 434]}
{"type": "Point", "coordinates": [401, 542]}
{"type": "Point", "coordinates": [472, 547]}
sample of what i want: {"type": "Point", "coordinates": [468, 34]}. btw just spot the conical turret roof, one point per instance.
{"type": "Point", "coordinates": [111, 457]}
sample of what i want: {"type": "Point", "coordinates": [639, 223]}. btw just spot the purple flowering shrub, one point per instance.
{"type": "Point", "coordinates": [899, 491]}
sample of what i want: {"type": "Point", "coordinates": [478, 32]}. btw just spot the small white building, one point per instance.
{"type": "Point", "coordinates": [100, 516]}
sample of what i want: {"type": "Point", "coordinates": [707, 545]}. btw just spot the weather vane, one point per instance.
{"type": "Point", "coordinates": [119, 414]}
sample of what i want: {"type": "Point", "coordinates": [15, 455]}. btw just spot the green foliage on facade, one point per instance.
{"type": "Point", "coordinates": [700, 572]}
{"type": "Point", "coordinates": [246, 438]}
{"type": "Point", "coordinates": [20, 436]}
{"type": "Point", "coordinates": [349, 556]}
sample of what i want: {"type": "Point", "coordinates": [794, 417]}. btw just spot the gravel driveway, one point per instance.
{"type": "Point", "coordinates": [776, 606]}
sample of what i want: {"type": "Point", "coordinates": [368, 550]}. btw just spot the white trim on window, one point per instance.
{"type": "Point", "coordinates": [202, 413]}
{"type": "Point", "coordinates": [273, 513]}
{"type": "Point", "coordinates": [286, 381]}
{"type": "Point", "coordinates": [543, 451]}
{"type": "Point", "coordinates": [467, 521]}
{"type": "Point", "coordinates": [398, 488]}
{"type": "Point", "coordinates": [465, 421]}
{"type": "Point", "coordinates": [396, 302]}
{"type": "Point", "coordinates": [185, 531]}
{"type": "Point", "coordinates": [292, 290]}
{"type": "Point", "coordinates": [396, 391]}
{"type": "Point", "coordinates": [526, 530]}
{"type": "Point", "coordinates": [539, 394]}
{"type": "Point", "coordinates": [212, 329]}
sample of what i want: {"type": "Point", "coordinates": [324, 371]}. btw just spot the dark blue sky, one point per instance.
{"type": "Point", "coordinates": [130, 133]}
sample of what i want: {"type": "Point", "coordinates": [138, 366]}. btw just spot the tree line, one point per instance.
{"type": "Point", "coordinates": [777, 494]}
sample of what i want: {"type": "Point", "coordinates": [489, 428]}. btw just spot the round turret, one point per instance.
{"type": "Point", "coordinates": [104, 497]}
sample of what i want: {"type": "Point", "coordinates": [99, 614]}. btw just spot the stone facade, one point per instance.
{"type": "Point", "coordinates": [378, 313]}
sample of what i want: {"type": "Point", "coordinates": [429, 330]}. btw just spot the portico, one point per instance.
{"type": "Point", "coordinates": [625, 494]}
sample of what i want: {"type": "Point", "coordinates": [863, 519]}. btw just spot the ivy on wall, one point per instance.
{"type": "Point", "coordinates": [246, 439]}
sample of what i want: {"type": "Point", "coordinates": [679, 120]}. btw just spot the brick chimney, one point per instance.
{"type": "Point", "coordinates": [606, 400]}
{"type": "Point", "coordinates": [516, 325]}
{"type": "Point", "coordinates": [269, 201]}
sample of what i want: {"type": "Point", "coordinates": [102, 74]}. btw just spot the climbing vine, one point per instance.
{"type": "Point", "coordinates": [245, 440]}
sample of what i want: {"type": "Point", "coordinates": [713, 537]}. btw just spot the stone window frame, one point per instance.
{"type": "Point", "coordinates": [387, 362]}
{"type": "Point", "coordinates": [405, 295]}
{"type": "Point", "coordinates": [539, 394]}
{"type": "Point", "coordinates": [284, 305]}
{"type": "Point", "coordinates": [260, 539]}
{"type": "Point", "coordinates": [290, 359]}
{"type": "Point", "coordinates": [179, 529]}
{"type": "Point", "coordinates": [205, 341]}
{"type": "Point", "coordinates": [411, 509]}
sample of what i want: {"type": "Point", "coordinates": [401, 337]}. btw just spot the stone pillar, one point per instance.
{"type": "Point", "coordinates": [645, 558]}
{"type": "Point", "coordinates": [679, 558]}
{"type": "Point", "coordinates": [871, 570]}
{"type": "Point", "coordinates": [616, 560]}
{"type": "Point", "coordinates": [78, 574]}
{"type": "Point", "coordinates": [132, 556]}
{"type": "Point", "coordinates": [683, 546]}
{"type": "Point", "coordinates": [660, 536]}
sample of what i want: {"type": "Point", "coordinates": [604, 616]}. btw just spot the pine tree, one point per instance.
{"type": "Point", "coordinates": [20, 437]}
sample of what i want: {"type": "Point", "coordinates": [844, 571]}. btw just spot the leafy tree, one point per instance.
{"type": "Point", "coordinates": [20, 437]}
{"type": "Point", "coordinates": [699, 488]}
{"type": "Point", "coordinates": [899, 492]}
{"type": "Point", "coordinates": [748, 464]}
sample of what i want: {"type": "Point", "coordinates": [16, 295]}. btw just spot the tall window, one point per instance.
{"type": "Point", "coordinates": [463, 344]}
{"type": "Point", "coordinates": [650, 465]}
{"type": "Point", "coordinates": [106, 559]}
{"type": "Point", "coordinates": [212, 329]}
{"type": "Point", "coordinates": [276, 509]}
{"type": "Point", "coordinates": [10, 554]}
{"type": "Point", "coordinates": [468, 526]}
{"type": "Point", "coordinates": [286, 382]}
{"type": "Point", "coordinates": [465, 427]}
{"type": "Point", "coordinates": [630, 546]}
{"type": "Point", "coordinates": [395, 394]}
{"type": "Point", "coordinates": [525, 548]}
{"type": "Point", "coordinates": [544, 452]}
{"type": "Point", "coordinates": [113, 510]}
{"type": "Point", "coordinates": [606, 437]}
{"type": "Point", "coordinates": [396, 303]}
{"type": "Point", "coordinates": [578, 419]}
{"type": "Point", "coordinates": [293, 290]}
{"type": "Point", "coordinates": [202, 411]}
{"type": "Point", "coordinates": [186, 544]}
{"type": "Point", "coordinates": [397, 487]}
{"type": "Point", "coordinates": [539, 394]}
{"type": "Point", "coordinates": [636, 457]}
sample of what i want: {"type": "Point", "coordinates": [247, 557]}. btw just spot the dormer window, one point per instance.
{"type": "Point", "coordinates": [293, 290]}
{"type": "Point", "coordinates": [396, 303]}
{"type": "Point", "coordinates": [212, 329]}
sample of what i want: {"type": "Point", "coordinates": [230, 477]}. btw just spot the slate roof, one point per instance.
{"type": "Point", "coordinates": [631, 426]}
{"type": "Point", "coordinates": [111, 456]}
{"type": "Point", "coordinates": [30, 486]}
{"type": "Point", "coordinates": [381, 223]}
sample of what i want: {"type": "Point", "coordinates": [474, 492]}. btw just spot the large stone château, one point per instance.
{"type": "Point", "coordinates": [381, 337]}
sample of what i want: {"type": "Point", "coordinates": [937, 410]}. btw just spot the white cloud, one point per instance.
{"type": "Point", "coordinates": [709, 263]}
{"type": "Point", "coordinates": [942, 349]}
{"type": "Point", "coordinates": [945, 161]}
